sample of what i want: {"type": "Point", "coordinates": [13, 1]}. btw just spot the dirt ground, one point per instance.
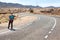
{"type": "Point", "coordinates": [20, 21]}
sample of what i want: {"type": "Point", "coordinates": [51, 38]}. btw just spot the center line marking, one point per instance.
{"type": "Point", "coordinates": [54, 24]}
{"type": "Point", "coordinates": [49, 32]}
{"type": "Point", "coordinates": [52, 29]}
{"type": "Point", "coordinates": [46, 36]}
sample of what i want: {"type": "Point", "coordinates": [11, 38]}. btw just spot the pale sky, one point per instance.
{"type": "Point", "coordinates": [43, 3]}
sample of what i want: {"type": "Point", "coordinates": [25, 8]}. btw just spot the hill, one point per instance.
{"type": "Point", "coordinates": [2, 4]}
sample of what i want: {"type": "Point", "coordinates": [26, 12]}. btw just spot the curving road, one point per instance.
{"type": "Point", "coordinates": [55, 35]}
{"type": "Point", "coordinates": [37, 30]}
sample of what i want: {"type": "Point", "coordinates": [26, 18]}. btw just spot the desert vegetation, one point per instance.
{"type": "Point", "coordinates": [5, 12]}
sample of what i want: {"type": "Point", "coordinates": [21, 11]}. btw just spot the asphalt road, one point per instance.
{"type": "Point", "coordinates": [37, 30]}
{"type": "Point", "coordinates": [55, 35]}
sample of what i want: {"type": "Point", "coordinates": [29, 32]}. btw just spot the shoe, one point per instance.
{"type": "Point", "coordinates": [8, 28]}
{"type": "Point", "coordinates": [13, 29]}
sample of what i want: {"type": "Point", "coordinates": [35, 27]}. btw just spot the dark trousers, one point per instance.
{"type": "Point", "coordinates": [10, 24]}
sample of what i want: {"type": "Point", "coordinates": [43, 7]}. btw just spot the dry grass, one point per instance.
{"type": "Point", "coordinates": [5, 12]}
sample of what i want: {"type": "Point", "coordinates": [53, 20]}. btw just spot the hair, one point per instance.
{"type": "Point", "coordinates": [11, 13]}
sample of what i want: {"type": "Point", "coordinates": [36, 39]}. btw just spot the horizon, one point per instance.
{"type": "Point", "coordinates": [41, 3]}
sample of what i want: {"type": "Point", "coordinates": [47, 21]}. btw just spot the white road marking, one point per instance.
{"type": "Point", "coordinates": [54, 24]}
{"type": "Point", "coordinates": [51, 29]}
{"type": "Point", "coordinates": [46, 37]}
{"type": "Point", "coordinates": [49, 32]}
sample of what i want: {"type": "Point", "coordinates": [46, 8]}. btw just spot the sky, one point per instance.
{"type": "Point", "coordinates": [42, 3]}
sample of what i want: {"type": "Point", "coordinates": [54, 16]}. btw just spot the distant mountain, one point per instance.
{"type": "Point", "coordinates": [51, 7]}
{"type": "Point", "coordinates": [2, 4]}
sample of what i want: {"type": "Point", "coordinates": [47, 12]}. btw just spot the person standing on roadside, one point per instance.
{"type": "Point", "coordinates": [11, 19]}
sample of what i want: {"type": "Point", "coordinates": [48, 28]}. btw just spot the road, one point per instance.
{"type": "Point", "coordinates": [55, 35]}
{"type": "Point", "coordinates": [44, 28]}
